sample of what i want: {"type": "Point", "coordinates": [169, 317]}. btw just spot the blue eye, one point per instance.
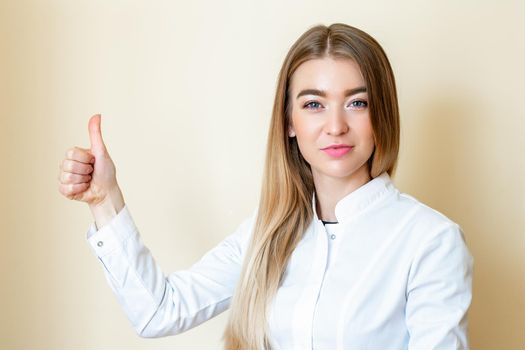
{"type": "Point", "coordinates": [359, 104]}
{"type": "Point", "coordinates": [310, 103]}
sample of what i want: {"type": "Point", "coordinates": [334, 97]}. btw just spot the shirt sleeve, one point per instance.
{"type": "Point", "coordinates": [439, 292]}
{"type": "Point", "coordinates": [159, 305]}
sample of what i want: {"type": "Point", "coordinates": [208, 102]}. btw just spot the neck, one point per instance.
{"type": "Point", "coordinates": [330, 190]}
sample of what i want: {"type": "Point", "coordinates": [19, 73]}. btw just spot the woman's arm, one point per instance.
{"type": "Point", "coordinates": [159, 305]}
{"type": "Point", "coordinates": [439, 292]}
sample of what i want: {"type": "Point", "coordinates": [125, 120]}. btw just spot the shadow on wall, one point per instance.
{"type": "Point", "coordinates": [454, 169]}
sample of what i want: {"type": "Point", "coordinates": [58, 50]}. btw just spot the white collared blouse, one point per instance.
{"type": "Point", "coordinates": [393, 273]}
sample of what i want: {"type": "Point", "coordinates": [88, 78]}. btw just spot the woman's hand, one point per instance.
{"type": "Point", "coordinates": [89, 175]}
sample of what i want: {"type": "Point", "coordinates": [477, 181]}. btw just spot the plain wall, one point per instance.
{"type": "Point", "coordinates": [186, 89]}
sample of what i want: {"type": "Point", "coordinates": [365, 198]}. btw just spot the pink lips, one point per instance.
{"type": "Point", "coordinates": [337, 150]}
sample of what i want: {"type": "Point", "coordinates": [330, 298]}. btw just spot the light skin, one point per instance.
{"type": "Point", "coordinates": [89, 175]}
{"type": "Point", "coordinates": [341, 116]}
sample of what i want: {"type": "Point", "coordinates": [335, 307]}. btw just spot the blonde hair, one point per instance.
{"type": "Point", "coordinates": [285, 207]}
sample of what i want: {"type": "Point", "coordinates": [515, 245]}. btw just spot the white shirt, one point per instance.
{"type": "Point", "coordinates": [392, 274]}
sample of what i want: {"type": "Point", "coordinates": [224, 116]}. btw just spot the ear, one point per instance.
{"type": "Point", "coordinates": [291, 131]}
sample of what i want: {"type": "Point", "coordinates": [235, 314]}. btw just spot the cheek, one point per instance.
{"type": "Point", "coordinates": [306, 131]}
{"type": "Point", "coordinates": [306, 138]}
{"type": "Point", "coordinates": [366, 132]}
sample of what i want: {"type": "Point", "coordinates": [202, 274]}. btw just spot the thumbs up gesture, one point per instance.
{"type": "Point", "coordinates": [89, 175]}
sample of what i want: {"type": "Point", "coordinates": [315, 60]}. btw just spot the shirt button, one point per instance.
{"type": "Point", "coordinates": [332, 236]}
{"type": "Point", "coordinates": [100, 243]}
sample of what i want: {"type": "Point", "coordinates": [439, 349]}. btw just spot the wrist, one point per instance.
{"type": "Point", "coordinates": [104, 211]}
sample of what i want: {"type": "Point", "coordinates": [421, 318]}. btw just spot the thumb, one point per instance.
{"type": "Point", "coordinates": [95, 135]}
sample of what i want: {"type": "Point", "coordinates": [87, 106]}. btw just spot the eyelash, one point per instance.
{"type": "Point", "coordinates": [365, 104]}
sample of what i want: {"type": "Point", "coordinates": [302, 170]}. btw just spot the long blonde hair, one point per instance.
{"type": "Point", "coordinates": [285, 207]}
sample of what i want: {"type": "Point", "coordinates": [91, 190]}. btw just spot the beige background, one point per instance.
{"type": "Point", "coordinates": [185, 90]}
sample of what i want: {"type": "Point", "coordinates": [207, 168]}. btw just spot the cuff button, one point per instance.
{"type": "Point", "coordinates": [100, 243]}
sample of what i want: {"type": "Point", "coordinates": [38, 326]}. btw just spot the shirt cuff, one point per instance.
{"type": "Point", "coordinates": [110, 236]}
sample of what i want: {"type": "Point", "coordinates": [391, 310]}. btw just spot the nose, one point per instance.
{"type": "Point", "coordinates": [336, 123]}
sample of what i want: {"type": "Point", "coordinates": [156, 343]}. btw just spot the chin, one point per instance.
{"type": "Point", "coordinates": [341, 170]}
{"type": "Point", "coordinates": [339, 173]}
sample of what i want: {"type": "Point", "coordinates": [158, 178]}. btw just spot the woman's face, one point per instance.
{"type": "Point", "coordinates": [330, 108]}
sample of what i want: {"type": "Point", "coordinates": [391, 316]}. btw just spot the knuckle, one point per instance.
{"type": "Point", "coordinates": [64, 166]}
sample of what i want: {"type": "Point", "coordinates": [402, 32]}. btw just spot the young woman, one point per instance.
{"type": "Point", "coordinates": [334, 256]}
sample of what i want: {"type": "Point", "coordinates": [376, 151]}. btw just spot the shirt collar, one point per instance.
{"type": "Point", "coordinates": [356, 201]}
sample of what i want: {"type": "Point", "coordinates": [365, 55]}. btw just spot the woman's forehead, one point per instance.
{"type": "Point", "coordinates": [332, 76]}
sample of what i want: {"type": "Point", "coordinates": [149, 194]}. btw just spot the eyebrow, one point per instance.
{"type": "Point", "coordinates": [322, 93]}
